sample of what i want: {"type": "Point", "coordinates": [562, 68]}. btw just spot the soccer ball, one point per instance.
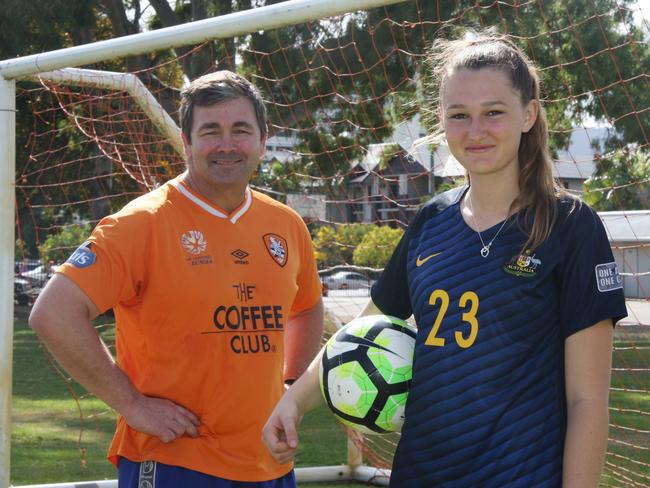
{"type": "Point", "coordinates": [365, 373]}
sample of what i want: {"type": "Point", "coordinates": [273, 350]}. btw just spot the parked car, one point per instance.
{"type": "Point", "coordinates": [22, 291]}
{"type": "Point", "coordinates": [38, 276]}
{"type": "Point", "coordinates": [26, 265]}
{"type": "Point", "coordinates": [345, 280]}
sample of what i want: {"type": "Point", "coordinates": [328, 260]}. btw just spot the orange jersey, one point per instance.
{"type": "Point", "coordinates": [201, 300]}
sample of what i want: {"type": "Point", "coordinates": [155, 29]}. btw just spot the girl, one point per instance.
{"type": "Point", "coordinates": [514, 290]}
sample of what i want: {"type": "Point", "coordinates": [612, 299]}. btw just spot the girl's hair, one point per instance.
{"type": "Point", "coordinates": [538, 189]}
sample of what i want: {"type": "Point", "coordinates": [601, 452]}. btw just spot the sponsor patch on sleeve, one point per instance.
{"type": "Point", "coordinates": [83, 256]}
{"type": "Point", "coordinates": [607, 277]}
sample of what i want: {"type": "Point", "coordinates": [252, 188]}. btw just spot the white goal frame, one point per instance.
{"type": "Point", "coordinates": [55, 65]}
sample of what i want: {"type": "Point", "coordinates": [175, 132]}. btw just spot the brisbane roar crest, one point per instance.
{"type": "Point", "coordinates": [277, 248]}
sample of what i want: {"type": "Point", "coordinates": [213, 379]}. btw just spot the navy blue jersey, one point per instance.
{"type": "Point", "coordinates": [487, 405]}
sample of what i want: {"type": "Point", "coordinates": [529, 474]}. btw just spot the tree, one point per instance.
{"type": "Point", "coordinates": [591, 53]}
{"type": "Point", "coordinates": [620, 182]}
{"type": "Point", "coordinates": [59, 245]}
{"type": "Point", "coordinates": [377, 247]}
{"type": "Point", "coordinates": [29, 28]}
{"type": "Point", "coordinates": [336, 245]}
{"type": "Point", "coordinates": [339, 86]}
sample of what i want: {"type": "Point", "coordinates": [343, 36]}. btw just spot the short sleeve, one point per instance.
{"type": "Point", "coordinates": [309, 284]}
{"type": "Point", "coordinates": [391, 292]}
{"type": "Point", "coordinates": [591, 289]}
{"type": "Point", "coordinates": [109, 266]}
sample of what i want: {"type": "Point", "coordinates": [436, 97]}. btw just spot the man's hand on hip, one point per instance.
{"type": "Point", "coordinates": [161, 418]}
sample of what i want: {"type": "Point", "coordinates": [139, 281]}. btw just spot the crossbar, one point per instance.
{"type": "Point", "coordinates": [222, 27]}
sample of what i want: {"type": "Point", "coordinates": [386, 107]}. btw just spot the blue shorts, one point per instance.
{"type": "Point", "coordinates": [152, 474]}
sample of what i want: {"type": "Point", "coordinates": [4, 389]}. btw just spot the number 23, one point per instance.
{"type": "Point", "coordinates": [469, 317]}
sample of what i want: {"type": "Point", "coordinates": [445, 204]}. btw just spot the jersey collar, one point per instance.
{"type": "Point", "coordinates": [211, 209]}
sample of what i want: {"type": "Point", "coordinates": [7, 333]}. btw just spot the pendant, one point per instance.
{"type": "Point", "coordinates": [485, 250]}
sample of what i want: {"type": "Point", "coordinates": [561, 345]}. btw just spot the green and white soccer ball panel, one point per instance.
{"type": "Point", "coordinates": [351, 390]}
{"type": "Point", "coordinates": [392, 415]}
{"type": "Point", "coordinates": [396, 365]}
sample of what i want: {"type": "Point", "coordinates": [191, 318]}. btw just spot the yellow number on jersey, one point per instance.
{"type": "Point", "coordinates": [432, 340]}
{"type": "Point", "coordinates": [468, 317]}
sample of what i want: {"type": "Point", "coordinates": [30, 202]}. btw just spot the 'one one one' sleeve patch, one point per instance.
{"type": "Point", "coordinates": [607, 277]}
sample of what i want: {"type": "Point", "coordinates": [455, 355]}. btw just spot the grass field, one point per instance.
{"type": "Point", "coordinates": [47, 423]}
{"type": "Point", "coordinates": [629, 448]}
{"type": "Point", "coordinates": [56, 438]}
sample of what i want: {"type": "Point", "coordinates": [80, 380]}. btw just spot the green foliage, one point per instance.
{"type": "Point", "coordinates": [335, 245]}
{"type": "Point", "coordinates": [620, 182]}
{"type": "Point", "coordinates": [377, 246]}
{"type": "Point", "coordinates": [279, 177]}
{"type": "Point", "coordinates": [448, 185]}
{"type": "Point", "coordinates": [20, 250]}
{"type": "Point", "coordinates": [339, 86]}
{"type": "Point", "coordinates": [59, 245]}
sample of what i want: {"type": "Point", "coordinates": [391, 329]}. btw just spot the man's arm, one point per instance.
{"type": "Point", "coordinates": [588, 362]}
{"type": "Point", "coordinates": [303, 334]}
{"type": "Point", "coordinates": [62, 318]}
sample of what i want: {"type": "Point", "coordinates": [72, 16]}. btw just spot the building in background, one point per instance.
{"type": "Point", "coordinates": [629, 235]}
{"type": "Point", "coordinates": [386, 186]}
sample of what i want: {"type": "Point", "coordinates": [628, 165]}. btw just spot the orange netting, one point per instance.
{"type": "Point", "coordinates": [346, 104]}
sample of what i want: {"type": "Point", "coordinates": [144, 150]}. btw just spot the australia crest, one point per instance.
{"type": "Point", "coordinates": [524, 264]}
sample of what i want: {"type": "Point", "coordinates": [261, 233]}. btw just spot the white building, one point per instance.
{"type": "Point", "coordinates": [577, 163]}
{"type": "Point", "coordinates": [280, 147]}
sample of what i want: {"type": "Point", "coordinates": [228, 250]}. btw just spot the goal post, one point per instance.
{"type": "Point", "coordinates": [7, 220]}
{"type": "Point", "coordinates": [127, 82]}
{"type": "Point", "coordinates": [222, 27]}
{"type": "Point", "coordinates": [348, 99]}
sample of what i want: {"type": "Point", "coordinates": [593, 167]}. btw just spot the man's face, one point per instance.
{"type": "Point", "coordinates": [226, 146]}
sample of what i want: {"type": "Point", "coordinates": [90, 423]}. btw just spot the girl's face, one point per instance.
{"type": "Point", "coordinates": [483, 119]}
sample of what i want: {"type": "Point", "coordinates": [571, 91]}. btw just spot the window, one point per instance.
{"type": "Point", "coordinates": [403, 185]}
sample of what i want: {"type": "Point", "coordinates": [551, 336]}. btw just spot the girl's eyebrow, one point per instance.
{"type": "Point", "coordinates": [484, 104]}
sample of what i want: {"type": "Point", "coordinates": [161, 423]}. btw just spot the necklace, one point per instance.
{"type": "Point", "coordinates": [485, 250]}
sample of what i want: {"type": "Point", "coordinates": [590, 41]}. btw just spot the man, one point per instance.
{"type": "Point", "coordinates": [208, 281]}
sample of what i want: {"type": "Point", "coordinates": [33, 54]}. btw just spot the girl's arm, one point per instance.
{"type": "Point", "coordinates": [588, 363]}
{"type": "Point", "coordinates": [280, 434]}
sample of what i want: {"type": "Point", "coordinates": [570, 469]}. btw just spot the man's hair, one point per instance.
{"type": "Point", "coordinates": [217, 87]}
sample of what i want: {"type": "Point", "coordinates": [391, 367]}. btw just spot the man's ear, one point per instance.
{"type": "Point", "coordinates": [263, 144]}
{"type": "Point", "coordinates": [186, 145]}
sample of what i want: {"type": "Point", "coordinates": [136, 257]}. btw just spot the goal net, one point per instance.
{"type": "Point", "coordinates": [347, 102]}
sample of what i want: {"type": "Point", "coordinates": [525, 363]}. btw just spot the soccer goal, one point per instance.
{"type": "Point", "coordinates": [345, 85]}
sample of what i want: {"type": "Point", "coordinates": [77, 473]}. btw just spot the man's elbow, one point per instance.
{"type": "Point", "coordinates": [40, 317]}
{"type": "Point", "coordinates": [59, 304]}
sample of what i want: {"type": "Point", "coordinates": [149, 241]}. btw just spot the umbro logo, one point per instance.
{"type": "Point", "coordinates": [240, 256]}
{"type": "Point", "coordinates": [420, 260]}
